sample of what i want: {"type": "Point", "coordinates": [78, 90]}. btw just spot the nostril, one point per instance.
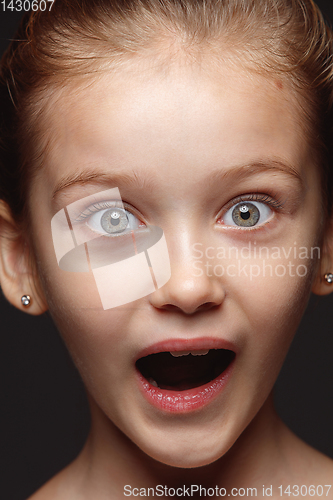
{"type": "Point", "coordinates": [203, 307]}
{"type": "Point", "coordinates": [169, 307]}
{"type": "Point", "coordinates": [207, 305]}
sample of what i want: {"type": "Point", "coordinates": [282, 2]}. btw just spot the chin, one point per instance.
{"type": "Point", "coordinates": [184, 457]}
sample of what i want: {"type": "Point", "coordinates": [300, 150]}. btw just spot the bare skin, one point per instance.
{"type": "Point", "coordinates": [198, 141]}
{"type": "Point", "coordinates": [289, 461]}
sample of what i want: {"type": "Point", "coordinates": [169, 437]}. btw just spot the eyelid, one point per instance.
{"type": "Point", "coordinates": [104, 205]}
{"type": "Point", "coordinates": [275, 203]}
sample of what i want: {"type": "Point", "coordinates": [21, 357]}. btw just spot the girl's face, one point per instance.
{"type": "Point", "coordinates": [218, 160]}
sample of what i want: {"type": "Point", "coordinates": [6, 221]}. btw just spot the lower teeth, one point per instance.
{"type": "Point", "coordinates": [152, 382]}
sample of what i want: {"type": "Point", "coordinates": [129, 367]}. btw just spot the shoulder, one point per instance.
{"type": "Point", "coordinates": [63, 486]}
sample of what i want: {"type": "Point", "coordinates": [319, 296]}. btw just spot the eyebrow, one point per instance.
{"type": "Point", "coordinates": [240, 172]}
{"type": "Point", "coordinates": [235, 173]}
{"type": "Point", "coordinates": [97, 177]}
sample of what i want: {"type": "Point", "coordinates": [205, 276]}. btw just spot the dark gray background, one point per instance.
{"type": "Point", "coordinates": [44, 413]}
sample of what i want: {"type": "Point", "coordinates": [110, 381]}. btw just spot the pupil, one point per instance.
{"type": "Point", "coordinates": [245, 215]}
{"type": "Point", "coordinates": [114, 221]}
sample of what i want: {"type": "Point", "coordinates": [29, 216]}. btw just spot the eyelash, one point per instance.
{"type": "Point", "coordinates": [102, 205]}
{"type": "Point", "coordinates": [275, 203]}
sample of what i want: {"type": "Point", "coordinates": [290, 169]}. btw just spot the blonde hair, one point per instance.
{"type": "Point", "coordinates": [79, 38]}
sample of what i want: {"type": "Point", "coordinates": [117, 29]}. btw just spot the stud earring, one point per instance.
{"type": "Point", "coordinates": [26, 300]}
{"type": "Point", "coordinates": [329, 278]}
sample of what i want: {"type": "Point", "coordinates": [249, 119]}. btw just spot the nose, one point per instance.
{"type": "Point", "coordinates": [190, 289]}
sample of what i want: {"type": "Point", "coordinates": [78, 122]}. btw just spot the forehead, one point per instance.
{"type": "Point", "coordinates": [168, 121]}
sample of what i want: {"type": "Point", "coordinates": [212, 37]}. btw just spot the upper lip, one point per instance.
{"type": "Point", "coordinates": [181, 344]}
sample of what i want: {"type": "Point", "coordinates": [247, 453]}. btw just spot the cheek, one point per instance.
{"type": "Point", "coordinates": [276, 299]}
{"type": "Point", "coordinates": [269, 311]}
{"type": "Point", "coordinates": [76, 308]}
{"type": "Point", "coordinates": [273, 280]}
{"type": "Point", "coordinates": [65, 290]}
{"type": "Point", "coordinates": [270, 293]}
{"type": "Point", "coordinates": [96, 339]}
{"type": "Point", "coordinates": [69, 293]}
{"type": "Point", "coordinates": [272, 309]}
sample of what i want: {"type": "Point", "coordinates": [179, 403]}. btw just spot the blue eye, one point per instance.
{"type": "Point", "coordinates": [247, 214]}
{"type": "Point", "coordinates": [113, 221]}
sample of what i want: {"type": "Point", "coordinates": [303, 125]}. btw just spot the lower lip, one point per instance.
{"type": "Point", "coordinates": [184, 401]}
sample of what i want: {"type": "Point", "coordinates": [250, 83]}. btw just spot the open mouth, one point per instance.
{"type": "Point", "coordinates": [183, 370]}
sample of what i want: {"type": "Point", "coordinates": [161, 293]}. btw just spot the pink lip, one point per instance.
{"type": "Point", "coordinates": [181, 402]}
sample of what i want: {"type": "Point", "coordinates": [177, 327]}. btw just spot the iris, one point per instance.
{"type": "Point", "coordinates": [114, 220]}
{"type": "Point", "coordinates": [245, 214]}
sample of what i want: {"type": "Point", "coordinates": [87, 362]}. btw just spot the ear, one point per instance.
{"type": "Point", "coordinates": [17, 274]}
{"type": "Point", "coordinates": [321, 286]}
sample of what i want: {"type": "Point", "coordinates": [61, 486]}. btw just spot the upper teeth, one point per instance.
{"type": "Point", "coordinates": [176, 354]}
